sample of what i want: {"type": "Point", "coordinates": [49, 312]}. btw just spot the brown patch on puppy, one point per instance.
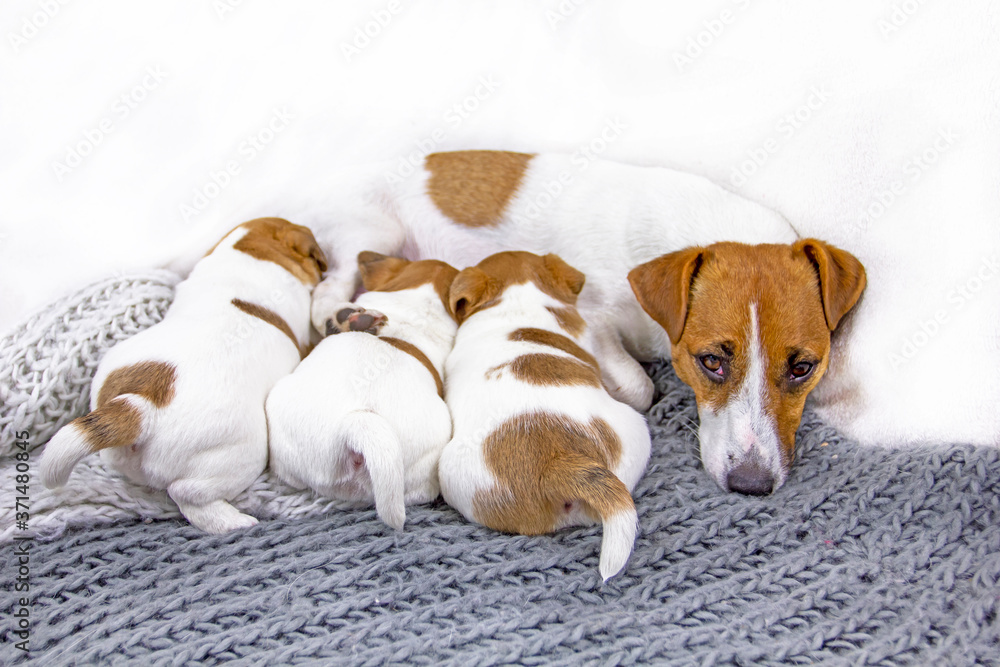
{"type": "Point", "coordinates": [380, 273]}
{"type": "Point", "coordinates": [479, 287]}
{"type": "Point", "coordinates": [117, 424]}
{"type": "Point", "coordinates": [417, 354]}
{"type": "Point", "coordinates": [542, 464]}
{"type": "Point", "coordinates": [552, 339]}
{"type": "Point", "coordinates": [153, 380]}
{"type": "Point", "coordinates": [269, 316]}
{"type": "Point", "coordinates": [473, 188]}
{"type": "Point", "coordinates": [550, 370]}
{"type": "Point", "coordinates": [292, 247]}
{"type": "Point", "coordinates": [569, 319]}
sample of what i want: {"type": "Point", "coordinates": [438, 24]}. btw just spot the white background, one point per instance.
{"type": "Point", "coordinates": [872, 124]}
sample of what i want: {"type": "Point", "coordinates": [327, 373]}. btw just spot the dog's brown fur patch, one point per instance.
{"type": "Point", "coordinates": [550, 370]}
{"type": "Point", "coordinates": [554, 340]}
{"type": "Point", "coordinates": [416, 353]}
{"type": "Point", "coordinates": [117, 423]}
{"type": "Point", "coordinates": [541, 463]}
{"type": "Point", "coordinates": [271, 317]}
{"type": "Point", "coordinates": [153, 380]}
{"type": "Point", "coordinates": [473, 188]}
{"type": "Point", "coordinates": [292, 247]}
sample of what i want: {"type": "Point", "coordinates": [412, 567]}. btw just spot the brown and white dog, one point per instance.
{"type": "Point", "coordinates": [363, 417]}
{"type": "Point", "coordinates": [604, 218]}
{"type": "Point", "coordinates": [538, 442]}
{"type": "Point", "coordinates": [180, 406]}
{"type": "Point", "coordinates": [750, 329]}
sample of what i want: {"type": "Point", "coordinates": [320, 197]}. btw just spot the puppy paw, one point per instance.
{"type": "Point", "coordinates": [355, 318]}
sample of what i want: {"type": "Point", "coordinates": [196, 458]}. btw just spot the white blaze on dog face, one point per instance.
{"type": "Point", "coordinates": [741, 433]}
{"type": "Point", "coordinates": [750, 334]}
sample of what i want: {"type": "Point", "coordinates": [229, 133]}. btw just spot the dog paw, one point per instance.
{"type": "Point", "coordinates": [355, 318]}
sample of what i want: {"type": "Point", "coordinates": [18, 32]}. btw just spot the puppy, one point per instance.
{"type": "Point", "coordinates": [363, 417]}
{"type": "Point", "coordinates": [539, 444]}
{"type": "Point", "coordinates": [180, 406]}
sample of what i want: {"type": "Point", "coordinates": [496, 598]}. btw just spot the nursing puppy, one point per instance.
{"type": "Point", "coordinates": [180, 406]}
{"type": "Point", "coordinates": [539, 444]}
{"type": "Point", "coordinates": [363, 416]}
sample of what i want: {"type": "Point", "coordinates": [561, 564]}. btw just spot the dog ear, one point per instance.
{"type": "Point", "coordinates": [663, 288]}
{"type": "Point", "coordinates": [841, 277]}
{"type": "Point", "coordinates": [301, 240]}
{"type": "Point", "coordinates": [567, 279]}
{"type": "Point", "coordinates": [470, 291]}
{"type": "Point", "coordinates": [377, 270]}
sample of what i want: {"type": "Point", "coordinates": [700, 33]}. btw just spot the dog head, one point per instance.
{"type": "Point", "coordinates": [293, 247]}
{"type": "Point", "coordinates": [380, 273]}
{"type": "Point", "coordinates": [749, 328]}
{"type": "Point", "coordinates": [479, 287]}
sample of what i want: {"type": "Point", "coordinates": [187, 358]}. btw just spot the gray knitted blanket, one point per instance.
{"type": "Point", "coordinates": [864, 556]}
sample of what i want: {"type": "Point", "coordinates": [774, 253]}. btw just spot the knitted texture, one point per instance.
{"type": "Point", "coordinates": [864, 556]}
{"type": "Point", "coordinates": [47, 363]}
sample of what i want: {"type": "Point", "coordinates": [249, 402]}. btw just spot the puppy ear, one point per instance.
{"type": "Point", "coordinates": [663, 288]}
{"type": "Point", "coordinates": [566, 277]}
{"type": "Point", "coordinates": [301, 240]}
{"type": "Point", "coordinates": [470, 291]}
{"type": "Point", "coordinates": [377, 269]}
{"type": "Point", "coordinates": [842, 278]}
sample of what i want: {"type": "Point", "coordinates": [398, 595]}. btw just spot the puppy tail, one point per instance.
{"type": "Point", "coordinates": [606, 496]}
{"type": "Point", "coordinates": [118, 423]}
{"type": "Point", "coordinates": [370, 436]}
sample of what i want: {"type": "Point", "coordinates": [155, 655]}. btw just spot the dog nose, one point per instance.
{"type": "Point", "coordinates": [750, 479]}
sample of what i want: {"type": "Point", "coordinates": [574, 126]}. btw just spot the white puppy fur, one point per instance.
{"type": "Point", "coordinates": [538, 444]}
{"type": "Point", "coordinates": [180, 406]}
{"type": "Point", "coordinates": [362, 417]}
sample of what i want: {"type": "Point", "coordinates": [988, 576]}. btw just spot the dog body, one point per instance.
{"type": "Point", "coordinates": [180, 406]}
{"type": "Point", "coordinates": [603, 218]}
{"type": "Point", "coordinates": [538, 442]}
{"type": "Point", "coordinates": [363, 416]}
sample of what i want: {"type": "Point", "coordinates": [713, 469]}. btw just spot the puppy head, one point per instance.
{"type": "Point", "coordinates": [380, 273]}
{"type": "Point", "coordinates": [750, 329]}
{"type": "Point", "coordinates": [479, 287]}
{"type": "Point", "coordinates": [293, 247]}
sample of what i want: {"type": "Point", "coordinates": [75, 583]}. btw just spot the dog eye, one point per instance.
{"type": "Point", "coordinates": [801, 370]}
{"type": "Point", "coordinates": [712, 364]}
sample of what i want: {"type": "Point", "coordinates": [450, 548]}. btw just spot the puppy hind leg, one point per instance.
{"type": "Point", "coordinates": [198, 502]}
